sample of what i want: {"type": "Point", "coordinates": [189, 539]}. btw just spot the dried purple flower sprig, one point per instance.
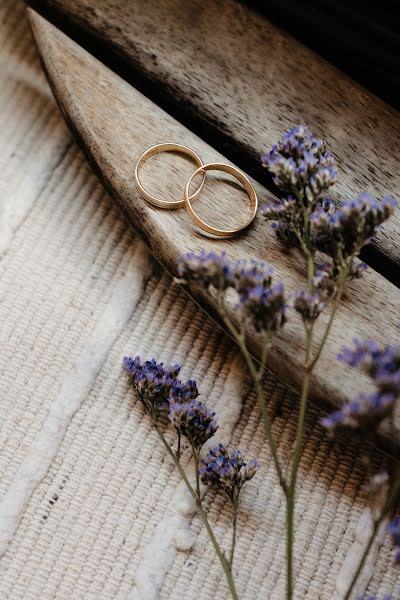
{"type": "Point", "coordinates": [156, 384]}
{"type": "Point", "coordinates": [162, 393]}
{"type": "Point", "coordinates": [260, 302]}
{"type": "Point", "coordinates": [303, 171]}
{"type": "Point", "coordinates": [227, 471]}
{"type": "Point", "coordinates": [344, 233]}
{"type": "Point", "coordinates": [382, 364]}
{"type": "Point", "coordinates": [366, 414]}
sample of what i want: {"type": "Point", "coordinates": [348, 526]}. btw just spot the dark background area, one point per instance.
{"type": "Point", "coordinates": [361, 38]}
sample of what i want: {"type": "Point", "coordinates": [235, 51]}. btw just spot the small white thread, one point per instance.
{"type": "Point", "coordinates": [75, 388]}
{"type": "Point", "coordinates": [173, 532]}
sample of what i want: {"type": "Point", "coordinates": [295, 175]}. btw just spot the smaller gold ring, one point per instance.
{"type": "Point", "coordinates": [240, 177]}
{"type": "Point", "coordinates": [167, 147]}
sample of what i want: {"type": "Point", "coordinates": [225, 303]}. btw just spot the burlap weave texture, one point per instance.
{"type": "Point", "coordinates": [83, 530]}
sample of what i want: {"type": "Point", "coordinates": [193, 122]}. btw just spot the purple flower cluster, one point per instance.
{"type": "Point", "coordinates": [263, 302]}
{"type": "Point", "coordinates": [301, 165]}
{"type": "Point", "coordinates": [156, 384]}
{"type": "Point", "coordinates": [303, 170]}
{"type": "Point", "coordinates": [206, 268]}
{"type": "Point", "coordinates": [366, 412]}
{"type": "Point", "coordinates": [259, 300]}
{"type": "Point", "coordinates": [343, 233]}
{"type": "Point", "coordinates": [309, 306]}
{"type": "Point", "coordinates": [382, 364]}
{"type": "Point", "coordinates": [194, 421]}
{"type": "Point", "coordinates": [227, 471]}
{"type": "Point", "coordinates": [265, 306]}
{"type": "Point", "coordinates": [249, 274]}
{"type": "Point", "coordinates": [326, 279]}
{"type": "Point", "coordinates": [393, 529]}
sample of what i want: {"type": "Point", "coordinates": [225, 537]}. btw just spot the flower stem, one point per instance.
{"type": "Point", "coordinates": [257, 378]}
{"type": "Point", "coordinates": [196, 459]}
{"type": "Point", "coordinates": [240, 338]}
{"type": "Point", "coordinates": [364, 556]}
{"type": "Point", "coordinates": [178, 451]}
{"type": "Point", "coordinates": [335, 306]}
{"type": "Point", "coordinates": [391, 501]}
{"type": "Point", "coordinates": [196, 494]}
{"type": "Point", "coordinates": [234, 527]}
{"type": "Point", "coordinates": [226, 564]}
{"type": "Point", "coordinates": [291, 491]}
{"type": "Point", "coordinates": [310, 272]}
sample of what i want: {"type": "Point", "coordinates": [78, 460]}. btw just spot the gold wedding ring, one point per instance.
{"type": "Point", "coordinates": [240, 177]}
{"type": "Point", "coordinates": [168, 147]}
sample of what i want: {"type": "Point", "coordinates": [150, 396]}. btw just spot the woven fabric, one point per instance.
{"type": "Point", "coordinates": [91, 507]}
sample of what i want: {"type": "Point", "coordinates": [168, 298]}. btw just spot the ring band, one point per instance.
{"type": "Point", "coordinates": [240, 177]}
{"type": "Point", "coordinates": [167, 147]}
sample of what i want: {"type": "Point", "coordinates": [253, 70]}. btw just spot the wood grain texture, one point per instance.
{"type": "Point", "coordinates": [115, 123]}
{"type": "Point", "coordinates": [240, 82]}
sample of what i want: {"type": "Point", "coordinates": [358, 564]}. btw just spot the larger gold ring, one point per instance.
{"type": "Point", "coordinates": [247, 186]}
{"type": "Point", "coordinates": [167, 147]}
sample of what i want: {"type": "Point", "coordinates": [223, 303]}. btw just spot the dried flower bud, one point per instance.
{"type": "Point", "coordinates": [260, 302]}
{"type": "Point", "coordinates": [365, 412]}
{"type": "Point", "coordinates": [250, 274]}
{"type": "Point", "coordinates": [206, 268]}
{"type": "Point", "coordinates": [194, 421]}
{"type": "Point", "coordinates": [227, 471]}
{"type": "Point", "coordinates": [380, 362]}
{"type": "Point", "coordinates": [155, 384]}
{"type": "Point", "coordinates": [265, 307]}
{"type": "Point", "coordinates": [308, 306]}
{"type": "Point", "coordinates": [300, 164]}
{"type": "Point", "coordinates": [342, 234]}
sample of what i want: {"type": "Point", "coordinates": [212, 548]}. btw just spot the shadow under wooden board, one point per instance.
{"type": "Point", "coordinates": [114, 123]}
{"type": "Point", "coordinates": [238, 81]}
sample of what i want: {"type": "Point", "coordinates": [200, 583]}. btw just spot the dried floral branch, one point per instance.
{"type": "Point", "coordinates": [303, 172]}
{"type": "Point", "coordinates": [163, 394]}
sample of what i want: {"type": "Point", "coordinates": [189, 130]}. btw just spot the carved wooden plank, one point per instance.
{"type": "Point", "coordinates": [115, 123]}
{"type": "Point", "coordinates": [239, 82]}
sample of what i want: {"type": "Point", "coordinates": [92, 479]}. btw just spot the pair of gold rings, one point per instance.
{"type": "Point", "coordinates": [187, 198]}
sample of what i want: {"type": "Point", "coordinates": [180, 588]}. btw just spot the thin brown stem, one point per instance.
{"type": "Point", "coordinates": [256, 375]}
{"type": "Point", "coordinates": [310, 272]}
{"type": "Point", "coordinates": [234, 528]}
{"type": "Point", "coordinates": [335, 306]}
{"type": "Point", "coordinates": [297, 448]}
{"type": "Point", "coordinates": [364, 556]}
{"type": "Point", "coordinates": [195, 494]}
{"type": "Point", "coordinates": [386, 511]}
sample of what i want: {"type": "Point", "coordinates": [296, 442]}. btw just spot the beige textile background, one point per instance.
{"type": "Point", "coordinates": [93, 519]}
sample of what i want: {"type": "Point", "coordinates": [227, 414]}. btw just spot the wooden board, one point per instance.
{"type": "Point", "coordinates": [115, 123]}
{"type": "Point", "coordinates": [239, 82]}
